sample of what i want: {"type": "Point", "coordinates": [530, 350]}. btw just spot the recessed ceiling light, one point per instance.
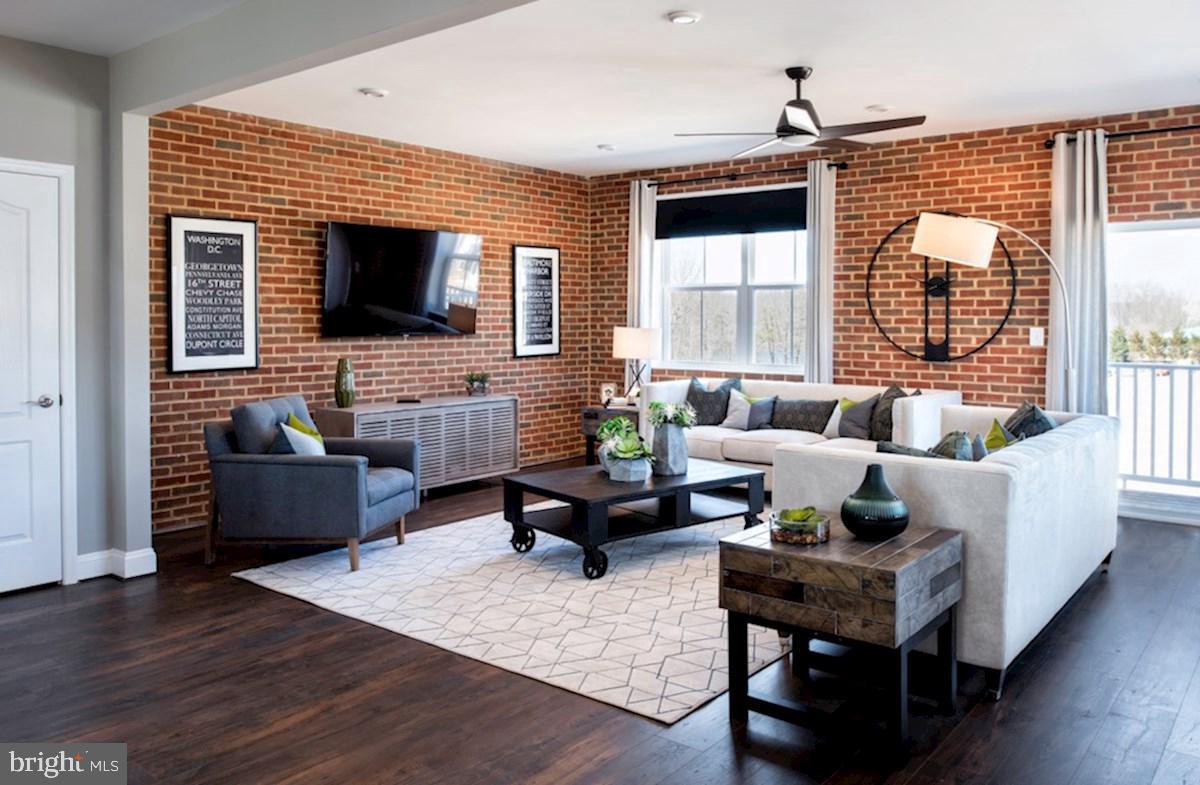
{"type": "Point", "coordinates": [373, 92]}
{"type": "Point", "coordinates": [879, 107]}
{"type": "Point", "coordinates": [684, 17]}
{"type": "Point", "coordinates": [608, 148]}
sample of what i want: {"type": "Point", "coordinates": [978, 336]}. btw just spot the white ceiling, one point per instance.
{"type": "Point", "coordinates": [544, 83]}
{"type": "Point", "coordinates": [102, 27]}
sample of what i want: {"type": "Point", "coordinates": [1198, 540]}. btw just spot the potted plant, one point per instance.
{"type": "Point", "coordinates": [628, 458]}
{"type": "Point", "coordinates": [477, 382]}
{"type": "Point", "coordinates": [670, 448]}
{"type": "Point", "coordinates": [608, 432]}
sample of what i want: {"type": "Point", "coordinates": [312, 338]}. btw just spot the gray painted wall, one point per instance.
{"type": "Point", "coordinates": [54, 104]}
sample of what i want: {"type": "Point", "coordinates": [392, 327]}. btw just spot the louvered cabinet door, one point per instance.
{"type": "Point", "coordinates": [374, 426]}
{"type": "Point", "coordinates": [433, 448]}
{"type": "Point", "coordinates": [502, 443]}
{"type": "Point", "coordinates": [456, 450]}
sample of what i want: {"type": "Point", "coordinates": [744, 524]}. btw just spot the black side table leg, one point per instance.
{"type": "Point", "coordinates": [947, 647]}
{"type": "Point", "coordinates": [898, 720]}
{"type": "Point", "coordinates": [739, 670]}
{"type": "Point", "coordinates": [589, 455]}
{"type": "Point", "coordinates": [801, 641]}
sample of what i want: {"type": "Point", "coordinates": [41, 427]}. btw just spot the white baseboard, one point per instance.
{"type": "Point", "coordinates": [123, 564]}
{"type": "Point", "coordinates": [1165, 508]}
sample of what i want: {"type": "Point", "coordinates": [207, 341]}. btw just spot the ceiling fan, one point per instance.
{"type": "Point", "coordinates": [799, 125]}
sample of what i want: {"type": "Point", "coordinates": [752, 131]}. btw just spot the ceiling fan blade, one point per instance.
{"type": "Point", "coordinates": [755, 148]}
{"type": "Point", "coordinates": [840, 144]}
{"type": "Point", "coordinates": [854, 129]}
{"type": "Point", "coordinates": [732, 133]}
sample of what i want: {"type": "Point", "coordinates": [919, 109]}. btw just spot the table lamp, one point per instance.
{"type": "Point", "coordinates": [635, 344]}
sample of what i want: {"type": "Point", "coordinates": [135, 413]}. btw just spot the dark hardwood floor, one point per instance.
{"type": "Point", "coordinates": [210, 679]}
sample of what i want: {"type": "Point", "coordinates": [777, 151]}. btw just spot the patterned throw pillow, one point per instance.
{"type": "Point", "coordinates": [802, 415]}
{"type": "Point", "coordinates": [900, 449]}
{"type": "Point", "coordinates": [748, 414]}
{"type": "Point", "coordinates": [956, 445]}
{"type": "Point", "coordinates": [293, 442]}
{"type": "Point", "coordinates": [856, 418]}
{"type": "Point", "coordinates": [711, 405]}
{"type": "Point", "coordinates": [1029, 421]}
{"type": "Point", "coordinates": [881, 417]}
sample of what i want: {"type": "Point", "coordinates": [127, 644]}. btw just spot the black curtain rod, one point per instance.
{"type": "Point", "coordinates": [1049, 143]}
{"type": "Point", "coordinates": [689, 181]}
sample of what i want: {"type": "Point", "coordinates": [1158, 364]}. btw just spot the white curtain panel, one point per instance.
{"type": "Point", "coordinates": [643, 213]}
{"type": "Point", "coordinates": [818, 353]}
{"type": "Point", "coordinates": [1079, 215]}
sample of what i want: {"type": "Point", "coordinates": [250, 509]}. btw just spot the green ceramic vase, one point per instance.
{"type": "Point", "coordinates": [343, 385]}
{"type": "Point", "coordinates": [874, 511]}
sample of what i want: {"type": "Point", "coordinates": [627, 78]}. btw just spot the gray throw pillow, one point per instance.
{"type": "Point", "coordinates": [900, 449]}
{"type": "Point", "coordinates": [956, 445]}
{"type": "Point", "coordinates": [802, 415]}
{"type": "Point", "coordinates": [881, 417]}
{"type": "Point", "coordinates": [762, 411]}
{"type": "Point", "coordinates": [711, 405]}
{"type": "Point", "coordinates": [856, 420]}
{"type": "Point", "coordinates": [1029, 421]}
{"type": "Point", "coordinates": [979, 450]}
{"type": "Point", "coordinates": [748, 414]}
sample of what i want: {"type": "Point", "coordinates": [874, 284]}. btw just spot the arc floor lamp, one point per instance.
{"type": "Point", "coordinates": [969, 241]}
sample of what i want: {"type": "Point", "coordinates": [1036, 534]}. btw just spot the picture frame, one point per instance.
{"type": "Point", "coordinates": [608, 391]}
{"type": "Point", "coordinates": [536, 305]}
{"type": "Point", "coordinates": [212, 305]}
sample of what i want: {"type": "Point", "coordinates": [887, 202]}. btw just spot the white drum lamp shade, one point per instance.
{"type": "Point", "coordinates": [635, 343]}
{"type": "Point", "coordinates": [955, 239]}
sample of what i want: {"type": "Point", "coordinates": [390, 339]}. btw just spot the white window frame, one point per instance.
{"type": "Point", "coordinates": [744, 290]}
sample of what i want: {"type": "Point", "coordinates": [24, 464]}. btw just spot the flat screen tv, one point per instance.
{"type": "Point", "coordinates": [382, 280]}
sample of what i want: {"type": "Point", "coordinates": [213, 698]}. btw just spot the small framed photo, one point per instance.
{"type": "Point", "coordinates": [213, 294]}
{"type": "Point", "coordinates": [535, 301]}
{"type": "Point", "coordinates": [607, 393]}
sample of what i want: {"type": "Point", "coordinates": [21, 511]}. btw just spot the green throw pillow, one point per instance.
{"type": "Point", "coordinates": [295, 422]}
{"type": "Point", "coordinates": [998, 437]}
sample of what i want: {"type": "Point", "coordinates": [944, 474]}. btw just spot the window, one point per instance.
{"type": "Point", "coordinates": [734, 300]}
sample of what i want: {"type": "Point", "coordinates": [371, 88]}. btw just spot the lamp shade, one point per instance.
{"type": "Point", "coordinates": [954, 238]}
{"type": "Point", "coordinates": [635, 343]}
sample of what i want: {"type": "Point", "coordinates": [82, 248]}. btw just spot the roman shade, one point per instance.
{"type": "Point", "coordinates": [742, 212]}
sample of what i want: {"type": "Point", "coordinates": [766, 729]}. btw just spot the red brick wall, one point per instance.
{"type": "Point", "coordinates": [293, 179]}
{"type": "Point", "coordinates": [1002, 174]}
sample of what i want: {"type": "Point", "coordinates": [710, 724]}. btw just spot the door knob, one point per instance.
{"type": "Point", "coordinates": [45, 401]}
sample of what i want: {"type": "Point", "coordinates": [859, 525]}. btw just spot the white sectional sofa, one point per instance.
{"type": "Point", "coordinates": [1038, 517]}
{"type": "Point", "coordinates": [915, 420]}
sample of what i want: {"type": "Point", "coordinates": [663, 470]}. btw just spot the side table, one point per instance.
{"type": "Point", "coordinates": [886, 595]}
{"type": "Point", "coordinates": [595, 416]}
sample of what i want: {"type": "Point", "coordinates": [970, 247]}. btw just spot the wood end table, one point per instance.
{"type": "Point", "coordinates": [887, 596]}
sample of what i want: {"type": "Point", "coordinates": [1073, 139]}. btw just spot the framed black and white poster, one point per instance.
{"type": "Point", "coordinates": [213, 294]}
{"type": "Point", "coordinates": [535, 301]}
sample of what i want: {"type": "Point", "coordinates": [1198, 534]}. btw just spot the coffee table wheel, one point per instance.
{"type": "Point", "coordinates": [595, 563]}
{"type": "Point", "coordinates": [523, 539]}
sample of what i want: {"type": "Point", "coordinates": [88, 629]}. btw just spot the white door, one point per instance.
{"type": "Point", "coordinates": [30, 492]}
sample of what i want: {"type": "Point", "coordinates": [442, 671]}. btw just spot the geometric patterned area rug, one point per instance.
{"type": "Point", "coordinates": [647, 637]}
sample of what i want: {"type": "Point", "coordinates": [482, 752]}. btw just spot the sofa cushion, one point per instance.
{"type": "Point", "coordinates": [856, 418]}
{"type": "Point", "coordinates": [1029, 420]}
{"type": "Point", "coordinates": [254, 423]}
{"type": "Point", "coordinates": [759, 446]}
{"type": "Point", "coordinates": [385, 482]}
{"type": "Point", "coordinates": [846, 443]}
{"type": "Point", "coordinates": [802, 415]}
{"type": "Point", "coordinates": [881, 416]}
{"type": "Point", "coordinates": [704, 441]}
{"type": "Point", "coordinates": [711, 405]}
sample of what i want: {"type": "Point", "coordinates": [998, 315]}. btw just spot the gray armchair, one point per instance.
{"type": "Point", "coordinates": [359, 486]}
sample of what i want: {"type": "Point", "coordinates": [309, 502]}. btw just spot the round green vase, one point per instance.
{"type": "Point", "coordinates": [343, 385]}
{"type": "Point", "coordinates": [874, 512]}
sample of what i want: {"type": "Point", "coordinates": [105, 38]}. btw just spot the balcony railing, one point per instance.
{"type": "Point", "coordinates": [1157, 404]}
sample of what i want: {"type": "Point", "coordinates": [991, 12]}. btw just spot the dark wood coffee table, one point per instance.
{"type": "Point", "coordinates": [601, 510]}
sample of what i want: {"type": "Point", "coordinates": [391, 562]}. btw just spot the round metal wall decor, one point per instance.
{"type": "Point", "coordinates": [964, 308]}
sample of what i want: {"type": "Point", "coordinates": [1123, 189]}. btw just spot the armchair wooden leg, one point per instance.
{"type": "Point", "coordinates": [352, 544]}
{"type": "Point", "coordinates": [400, 531]}
{"type": "Point", "coordinates": [210, 535]}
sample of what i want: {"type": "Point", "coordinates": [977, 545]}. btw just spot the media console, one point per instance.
{"type": "Point", "coordinates": [463, 437]}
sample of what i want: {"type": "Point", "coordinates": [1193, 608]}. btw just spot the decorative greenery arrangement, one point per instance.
{"type": "Point", "coordinates": [478, 377]}
{"type": "Point", "coordinates": [681, 414]}
{"type": "Point", "coordinates": [619, 440]}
